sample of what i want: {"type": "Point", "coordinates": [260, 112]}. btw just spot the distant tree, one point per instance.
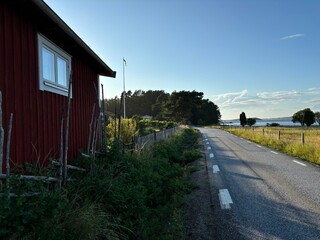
{"type": "Point", "coordinates": [138, 102]}
{"type": "Point", "coordinates": [184, 106]}
{"type": "Point", "coordinates": [189, 108]}
{"type": "Point", "coordinates": [304, 117]}
{"type": "Point", "coordinates": [157, 106]}
{"type": "Point", "coordinates": [317, 117]}
{"type": "Point", "coordinates": [243, 119]}
{"type": "Point", "coordinates": [181, 106]}
{"type": "Point", "coordinates": [208, 113]}
{"type": "Point", "coordinates": [251, 121]}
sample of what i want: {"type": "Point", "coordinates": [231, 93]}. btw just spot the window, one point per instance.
{"type": "Point", "coordinates": [54, 67]}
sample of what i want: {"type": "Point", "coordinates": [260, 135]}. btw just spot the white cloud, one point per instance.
{"type": "Point", "coordinates": [231, 99]}
{"type": "Point", "coordinates": [313, 91]}
{"type": "Point", "coordinates": [265, 104]}
{"type": "Point", "coordinates": [293, 36]}
{"type": "Point", "coordinates": [232, 95]}
{"type": "Point", "coordinates": [280, 95]}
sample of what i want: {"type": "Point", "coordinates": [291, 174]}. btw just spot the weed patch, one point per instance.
{"type": "Point", "coordinates": [126, 196]}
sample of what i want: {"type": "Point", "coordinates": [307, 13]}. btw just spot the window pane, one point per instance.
{"type": "Point", "coordinates": [62, 71]}
{"type": "Point", "coordinates": [47, 65]}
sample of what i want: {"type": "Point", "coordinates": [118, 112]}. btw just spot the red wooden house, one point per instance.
{"type": "Point", "coordinates": [37, 53]}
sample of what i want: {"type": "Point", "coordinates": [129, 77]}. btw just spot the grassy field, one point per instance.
{"type": "Point", "coordinates": [301, 142]}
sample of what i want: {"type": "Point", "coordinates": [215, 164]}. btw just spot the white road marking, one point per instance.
{"type": "Point", "coordinates": [211, 155]}
{"type": "Point", "coordinates": [258, 146]}
{"type": "Point", "coordinates": [302, 164]}
{"type": "Point", "coordinates": [225, 199]}
{"type": "Point", "coordinates": [215, 168]}
{"type": "Point", "coordinates": [248, 142]}
{"type": "Point", "coordinates": [274, 152]}
{"type": "Point", "coordinates": [208, 148]}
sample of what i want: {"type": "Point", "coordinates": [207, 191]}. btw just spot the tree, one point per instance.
{"type": "Point", "coordinates": [305, 116]}
{"type": "Point", "coordinates": [317, 117]}
{"type": "Point", "coordinates": [208, 114]}
{"type": "Point", "coordinates": [251, 121]}
{"type": "Point", "coordinates": [182, 106]}
{"type": "Point", "coordinates": [138, 102]}
{"type": "Point", "coordinates": [157, 106]}
{"type": "Point", "coordinates": [189, 108]}
{"type": "Point", "coordinates": [243, 119]}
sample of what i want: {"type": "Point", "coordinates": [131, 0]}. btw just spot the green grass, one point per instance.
{"type": "Point", "coordinates": [126, 196]}
{"type": "Point", "coordinates": [289, 141]}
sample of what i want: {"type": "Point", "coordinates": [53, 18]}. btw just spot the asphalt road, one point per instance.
{"type": "Point", "coordinates": [259, 193]}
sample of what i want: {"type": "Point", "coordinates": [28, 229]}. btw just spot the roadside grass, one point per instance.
{"type": "Point", "coordinates": [285, 139]}
{"type": "Point", "coordinates": [126, 196]}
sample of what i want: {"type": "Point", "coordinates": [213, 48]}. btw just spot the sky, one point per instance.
{"type": "Point", "coordinates": [261, 57]}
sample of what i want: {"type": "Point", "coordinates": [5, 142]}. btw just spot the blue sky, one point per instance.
{"type": "Point", "coordinates": [257, 56]}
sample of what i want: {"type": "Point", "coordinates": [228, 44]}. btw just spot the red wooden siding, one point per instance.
{"type": "Point", "coordinates": [36, 114]}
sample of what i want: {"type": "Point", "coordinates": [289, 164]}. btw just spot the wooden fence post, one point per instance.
{"type": "Point", "coordinates": [61, 151]}
{"type": "Point", "coordinates": [262, 131]}
{"type": "Point", "coordinates": [65, 159]}
{"type": "Point", "coordinates": [279, 135]}
{"type": "Point", "coordinates": [8, 157]}
{"type": "Point", "coordinates": [104, 130]}
{"type": "Point", "coordinates": [90, 129]}
{"type": "Point", "coordinates": [302, 138]}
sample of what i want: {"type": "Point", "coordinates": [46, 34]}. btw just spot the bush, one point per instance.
{"type": "Point", "coordinates": [189, 156]}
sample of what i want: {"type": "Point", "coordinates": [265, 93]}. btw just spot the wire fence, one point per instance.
{"type": "Point", "coordinates": [145, 142]}
{"type": "Point", "coordinates": [291, 135]}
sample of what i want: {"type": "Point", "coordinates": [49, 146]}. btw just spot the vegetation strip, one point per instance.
{"type": "Point", "coordinates": [301, 142]}
{"type": "Point", "coordinates": [125, 196]}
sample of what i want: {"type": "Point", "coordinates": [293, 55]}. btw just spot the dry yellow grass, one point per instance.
{"type": "Point", "coordinates": [286, 139]}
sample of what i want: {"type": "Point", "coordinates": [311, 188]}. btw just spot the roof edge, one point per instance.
{"type": "Point", "coordinates": [55, 18]}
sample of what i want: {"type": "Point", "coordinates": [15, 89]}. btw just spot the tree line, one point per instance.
{"type": "Point", "coordinates": [304, 117]}
{"type": "Point", "coordinates": [184, 107]}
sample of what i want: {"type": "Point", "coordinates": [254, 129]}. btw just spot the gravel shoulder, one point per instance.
{"type": "Point", "coordinates": [202, 213]}
{"type": "Point", "coordinates": [198, 209]}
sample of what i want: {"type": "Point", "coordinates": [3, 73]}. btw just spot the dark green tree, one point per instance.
{"type": "Point", "coordinates": [189, 108]}
{"type": "Point", "coordinates": [138, 102]}
{"type": "Point", "coordinates": [243, 119]}
{"type": "Point", "coordinates": [251, 121]}
{"type": "Point", "coordinates": [304, 117]}
{"type": "Point", "coordinates": [182, 106]}
{"type": "Point", "coordinates": [208, 114]}
{"type": "Point", "coordinates": [157, 107]}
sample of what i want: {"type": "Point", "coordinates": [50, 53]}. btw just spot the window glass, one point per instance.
{"type": "Point", "coordinates": [54, 67]}
{"type": "Point", "coordinates": [62, 71]}
{"type": "Point", "coordinates": [48, 65]}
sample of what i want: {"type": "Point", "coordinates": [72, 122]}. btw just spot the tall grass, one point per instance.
{"type": "Point", "coordinates": [126, 196]}
{"type": "Point", "coordinates": [285, 139]}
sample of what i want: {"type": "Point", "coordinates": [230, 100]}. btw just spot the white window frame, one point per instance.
{"type": "Point", "coordinates": [44, 84]}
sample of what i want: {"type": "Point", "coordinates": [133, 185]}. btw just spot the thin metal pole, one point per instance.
{"type": "Point", "coordinates": [124, 89]}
